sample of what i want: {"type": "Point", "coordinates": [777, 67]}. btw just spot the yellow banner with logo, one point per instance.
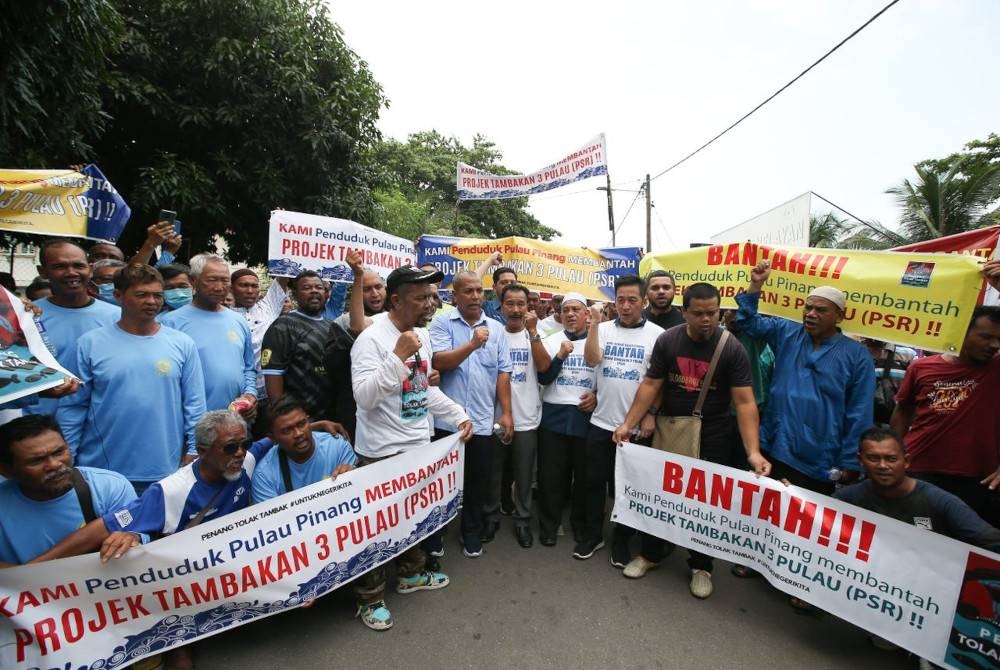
{"type": "Point", "coordinates": [919, 300]}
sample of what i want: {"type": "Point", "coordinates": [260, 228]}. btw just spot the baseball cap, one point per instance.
{"type": "Point", "coordinates": [408, 274]}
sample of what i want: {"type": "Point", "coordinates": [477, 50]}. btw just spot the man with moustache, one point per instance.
{"type": "Point", "coordinates": [292, 357]}
{"type": "Point", "coordinates": [137, 368]}
{"type": "Point", "coordinates": [390, 369]}
{"type": "Point", "coordinates": [660, 289]}
{"type": "Point", "coordinates": [259, 313]}
{"type": "Point", "coordinates": [44, 497]}
{"type": "Point", "coordinates": [679, 364]}
{"type": "Point", "coordinates": [470, 351]}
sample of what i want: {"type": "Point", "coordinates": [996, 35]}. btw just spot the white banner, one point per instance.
{"type": "Point", "coordinates": [272, 557]}
{"type": "Point", "coordinates": [935, 596]}
{"type": "Point", "coordinates": [785, 225]}
{"type": "Point", "coordinates": [26, 364]}
{"type": "Point", "coordinates": [299, 242]}
{"type": "Point", "coordinates": [590, 160]}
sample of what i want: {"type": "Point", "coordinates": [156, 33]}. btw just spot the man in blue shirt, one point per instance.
{"type": "Point", "coordinates": [44, 499]}
{"type": "Point", "coordinates": [142, 385]}
{"type": "Point", "coordinates": [822, 390]}
{"type": "Point", "coordinates": [471, 352]}
{"type": "Point", "coordinates": [222, 336]}
{"type": "Point", "coordinates": [303, 457]}
{"type": "Point", "coordinates": [66, 316]}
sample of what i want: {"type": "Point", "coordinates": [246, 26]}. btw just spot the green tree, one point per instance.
{"type": "Point", "coordinates": [55, 61]}
{"type": "Point", "coordinates": [832, 232]}
{"type": "Point", "coordinates": [226, 109]}
{"type": "Point", "coordinates": [419, 195]}
{"type": "Point", "coordinates": [950, 195]}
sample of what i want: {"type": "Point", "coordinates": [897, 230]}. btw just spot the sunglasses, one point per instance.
{"type": "Point", "coordinates": [231, 448]}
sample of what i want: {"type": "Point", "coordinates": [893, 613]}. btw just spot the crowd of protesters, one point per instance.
{"type": "Point", "coordinates": [199, 395]}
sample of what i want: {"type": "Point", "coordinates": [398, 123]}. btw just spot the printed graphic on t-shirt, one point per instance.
{"type": "Point", "coordinates": [575, 372]}
{"type": "Point", "coordinates": [520, 359]}
{"type": "Point", "coordinates": [692, 371]}
{"type": "Point", "coordinates": [947, 396]}
{"type": "Point", "coordinates": [623, 361]}
{"type": "Point", "coordinates": [414, 399]}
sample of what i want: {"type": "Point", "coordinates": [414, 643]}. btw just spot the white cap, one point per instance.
{"type": "Point", "coordinates": [834, 295]}
{"type": "Point", "coordinates": [574, 296]}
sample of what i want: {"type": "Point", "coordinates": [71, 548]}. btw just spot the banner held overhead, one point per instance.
{"type": "Point", "coordinates": [590, 160]}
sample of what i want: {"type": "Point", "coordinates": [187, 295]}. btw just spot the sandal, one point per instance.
{"type": "Point", "coordinates": [802, 607]}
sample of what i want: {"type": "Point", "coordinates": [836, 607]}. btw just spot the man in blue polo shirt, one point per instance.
{"type": "Point", "coordinates": [470, 351]}
{"type": "Point", "coordinates": [304, 457]}
{"type": "Point", "coordinates": [222, 336]}
{"type": "Point", "coordinates": [45, 498]}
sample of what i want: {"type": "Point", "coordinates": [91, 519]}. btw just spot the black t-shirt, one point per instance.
{"type": "Point", "coordinates": [682, 364]}
{"type": "Point", "coordinates": [294, 346]}
{"type": "Point", "coordinates": [667, 320]}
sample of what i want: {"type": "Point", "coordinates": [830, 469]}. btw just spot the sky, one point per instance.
{"type": "Point", "coordinates": [541, 78]}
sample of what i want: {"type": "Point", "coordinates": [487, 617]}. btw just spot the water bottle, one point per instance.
{"type": "Point", "coordinates": [834, 474]}
{"type": "Point", "coordinates": [498, 431]}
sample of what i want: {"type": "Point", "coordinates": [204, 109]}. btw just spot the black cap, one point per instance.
{"type": "Point", "coordinates": [408, 274]}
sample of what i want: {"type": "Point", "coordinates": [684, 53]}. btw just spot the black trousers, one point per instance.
{"type": "Point", "coordinates": [595, 471]}
{"type": "Point", "coordinates": [559, 457]}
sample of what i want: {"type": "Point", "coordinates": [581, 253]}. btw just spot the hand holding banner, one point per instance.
{"type": "Point", "coordinates": [920, 300]}
{"type": "Point", "coordinates": [26, 364]}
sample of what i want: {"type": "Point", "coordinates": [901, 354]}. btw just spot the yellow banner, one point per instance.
{"type": "Point", "coordinates": [919, 300]}
{"type": "Point", "coordinates": [46, 202]}
{"type": "Point", "coordinates": [541, 266]}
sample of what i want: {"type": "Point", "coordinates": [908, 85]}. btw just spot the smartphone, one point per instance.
{"type": "Point", "coordinates": [171, 216]}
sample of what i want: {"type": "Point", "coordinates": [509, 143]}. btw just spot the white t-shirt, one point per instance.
{"type": "Point", "coordinates": [625, 356]}
{"type": "Point", "coordinates": [526, 401]}
{"type": "Point", "coordinates": [575, 378]}
{"type": "Point", "coordinates": [395, 400]}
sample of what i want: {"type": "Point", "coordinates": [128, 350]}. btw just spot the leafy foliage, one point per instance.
{"type": "Point", "coordinates": [832, 232]}
{"type": "Point", "coordinates": [419, 195]}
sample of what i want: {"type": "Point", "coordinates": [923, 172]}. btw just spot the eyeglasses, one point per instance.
{"type": "Point", "coordinates": [232, 447]}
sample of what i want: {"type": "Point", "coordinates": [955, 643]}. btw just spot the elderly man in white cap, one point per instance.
{"type": "Point", "coordinates": [567, 403]}
{"type": "Point", "coordinates": [822, 392]}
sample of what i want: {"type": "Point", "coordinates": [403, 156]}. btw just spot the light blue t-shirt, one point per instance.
{"type": "Point", "coordinates": [61, 328]}
{"type": "Point", "coordinates": [331, 451]}
{"type": "Point", "coordinates": [169, 505]}
{"type": "Point", "coordinates": [473, 384]}
{"type": "Point", "coordinates": [31, 527]}
{"type": "Point", "coordinates": [225, 348]}
{"type": "Point", "coordinates": [144, 395]}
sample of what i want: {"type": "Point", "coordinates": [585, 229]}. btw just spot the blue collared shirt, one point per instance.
{"type": "Point", "coordinates": [473, 384]}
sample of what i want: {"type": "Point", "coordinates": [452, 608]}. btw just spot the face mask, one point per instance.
{"type": "Point", "coordinates": [177, 297]}
{"type": "Point", "coordinates": [106, 292]}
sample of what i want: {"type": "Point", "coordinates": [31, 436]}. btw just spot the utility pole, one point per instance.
{"type": "Point", "coordinates": [611, 209]}
{"type": "Point", "coordinates": [649, 217]}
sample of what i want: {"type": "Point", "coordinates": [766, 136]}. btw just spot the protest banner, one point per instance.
{"type": "Point", "coordinates": [26, 364]}
{"type": "Point", "coordinates": [923, 591]}
{"type": "Point", "coordinates": [298, 242]}
{"type": "Point", "coordinates": [590, 160]}
{"type": "Point", "coordinates": [542, 266]}
{"type": "Point", "coordinates": [269, 558]}
{"type": "Point", "coordinates": [62, 203]}
{"type": "Point", "coordinates": [981, 243]}
{"type": "Point", "coordinates": [919, 300]}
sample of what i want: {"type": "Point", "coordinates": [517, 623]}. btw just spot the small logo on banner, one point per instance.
{"type": "Point", "coordinates": [922, 522]}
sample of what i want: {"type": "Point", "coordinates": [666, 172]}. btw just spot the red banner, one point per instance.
{"type": "Point", "coordinates": [980, 243]}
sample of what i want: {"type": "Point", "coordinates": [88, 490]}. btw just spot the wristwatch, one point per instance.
{"type": "Point", "coordinates": [535, 338]}
{"type": "Point", "coordinates": [653, 411]}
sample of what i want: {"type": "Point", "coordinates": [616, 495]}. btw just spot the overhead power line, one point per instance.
{"type": "Point", "coordinates": [778, 92]}
{"type": "Point", "coordinates": [884, 232]}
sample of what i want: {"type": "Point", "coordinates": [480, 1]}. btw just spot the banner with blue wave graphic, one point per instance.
{"type": "Point", "coordinates": [264, 560]}
{"type": "Point", "coordinates": [590, 160]}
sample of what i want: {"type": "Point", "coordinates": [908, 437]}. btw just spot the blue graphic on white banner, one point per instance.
{"type": "Point", "coordinates": [108, 212]}
{"type": "Point", "coordinates": [262, 561]}
{"type": "Point", "coordinates": [590, 160]}
{"type": "Point", "coordinates": [26, 364]}
{"type": "Point", "coordinates": [298, 242]}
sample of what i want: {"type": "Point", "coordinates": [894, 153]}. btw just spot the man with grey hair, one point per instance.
{"type": "Point", "coordinates": [225, 345]}
{"type": "Point", "coordinates": [102, 279]}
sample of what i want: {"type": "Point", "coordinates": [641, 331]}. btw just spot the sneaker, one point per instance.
{"type": "Point", "coordinates": [638, 567]}
{"type": "Point", "coordinates": [425, 581]}
{"type": "Point", "coordinates": [437, 553]}
{"type": "Point", "coordinates": [701, 583]}
{"type": "Point", "coordinates": [470, 552]}
{"type": "Point", "coordinates": [375, 615]}
{"type": "Point", "coordinates": [620, 555]}
{"type": "Point", "coordinates": [585, 549]}
{"type": "Point", "coordinates": [432, 564]}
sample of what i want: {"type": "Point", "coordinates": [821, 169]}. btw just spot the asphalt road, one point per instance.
{"type": "Point", "coordinates": [540, 608]}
